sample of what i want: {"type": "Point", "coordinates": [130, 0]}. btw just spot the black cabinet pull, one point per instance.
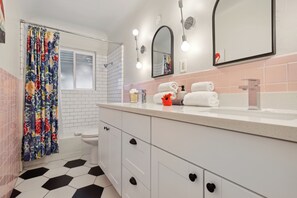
{"type": "Point", "coordinates": [192, 177]}
{"type": "Point", "coordinates": [133, 141]}
{"type": "Point", "coordinates": [211, 187]}
{"type": "Point", "coordinates": [133, 181]}
{"type": "Point", "coordinates": [107, 129]}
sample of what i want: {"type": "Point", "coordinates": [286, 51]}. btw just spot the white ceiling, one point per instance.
{"type": "Point", "coordinates": [99, 15]}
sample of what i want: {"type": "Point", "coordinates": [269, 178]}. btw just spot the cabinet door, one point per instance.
{"type": "Point", "coordinates": [175, 178]}
{"type": "Point", "coordinates": [103, 147]}
{"type": "Point", "coordinates": [216, 187]}
{"type": "Point", "coordinates": [115, 157]}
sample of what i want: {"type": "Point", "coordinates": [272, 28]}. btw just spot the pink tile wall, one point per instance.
{"type": "Point", "coordinates": [10, 136]}
{"type": "Point", "coordinates": [277, 74]}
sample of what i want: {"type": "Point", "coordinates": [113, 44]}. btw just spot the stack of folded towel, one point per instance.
{"type": "Point", "coordinates": [202, 94]}
{"type": "Point", "coordinates": [165, 88]}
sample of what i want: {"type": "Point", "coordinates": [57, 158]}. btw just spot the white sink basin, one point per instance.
{"type": "Point", "coordinates": [264, 114]}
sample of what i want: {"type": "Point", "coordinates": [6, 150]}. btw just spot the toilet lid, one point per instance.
{"type": "Point", "coordinates": [91, 133]}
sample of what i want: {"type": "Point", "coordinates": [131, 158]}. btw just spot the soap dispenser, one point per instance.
{"type": "Point", "coordinates": [181, 94]}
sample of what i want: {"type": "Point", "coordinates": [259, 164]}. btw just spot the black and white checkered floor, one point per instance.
{"type": "Point", "coordinates": [64, 179]}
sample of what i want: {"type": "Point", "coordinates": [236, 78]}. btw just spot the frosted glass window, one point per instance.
{"type": "Point", "coordinates": [77, 69]}
{"type": "Point", "coordinates": [84, 71]}
{"type": "Point", "coordinates": [67, 77]}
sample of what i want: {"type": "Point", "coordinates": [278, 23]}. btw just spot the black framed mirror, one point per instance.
{"type": "Point", "coordinates": [242, 30]}
{"type": "Point", "coordinates": [163, 52]}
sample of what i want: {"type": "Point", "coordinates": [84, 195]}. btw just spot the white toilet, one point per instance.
{"type": "Point", "coordinates": [90, 137]}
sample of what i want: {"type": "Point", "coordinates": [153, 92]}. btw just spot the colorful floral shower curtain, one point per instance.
{"type": "Point", "coordinates": [41, 94]}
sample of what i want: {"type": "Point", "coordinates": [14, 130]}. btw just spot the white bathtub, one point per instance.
{"type": "Point", "coordinates": [69, 146]}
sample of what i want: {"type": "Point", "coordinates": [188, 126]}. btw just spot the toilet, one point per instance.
{"type": "Point", "coordinates": [90, 137]}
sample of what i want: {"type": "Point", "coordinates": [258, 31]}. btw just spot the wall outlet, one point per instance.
{"type": "Point", "coordinates": [183, 66]}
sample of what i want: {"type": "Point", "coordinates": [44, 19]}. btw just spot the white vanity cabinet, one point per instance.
{"type": "Point", "coordinates": [150, 154]}
{"type": "Point", "coordinates": [110, 147]}
{"type": "Point", "coordinates": [173, 177]}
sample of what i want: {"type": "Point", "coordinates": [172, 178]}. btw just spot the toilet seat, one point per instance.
{"type": "Point", "coordinates": [95, 139]}
{"type": "Point", "coordinates": [90, 134]}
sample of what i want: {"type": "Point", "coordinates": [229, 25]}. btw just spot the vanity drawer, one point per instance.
{"type": "Point", "coordinates": [132, 187]}
{"type": "Point", "coordinates": [137, 125]}
{"type": "Point", "coordinates": [112, 117]}
{"type": "Point", "coordinates": [136, 157]}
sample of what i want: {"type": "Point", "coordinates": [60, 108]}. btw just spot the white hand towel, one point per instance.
{"type": "Point", "coordinates": [170, 86]}
{"type": "Point", "coordinates": [158, 97]}
{"type": "Point", "coordinates": [204, 99]}
{"type": "Point", "coordinates": [202, 86]}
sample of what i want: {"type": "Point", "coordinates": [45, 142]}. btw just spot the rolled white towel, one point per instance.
{"type": "Point", "coordinates": [202, 86]}
{"type": "Point", "coordinates": [203, 99]}
{"type": "Point", "coordinates": [166, 87]}
{"type": "Point", "coordinates": [158, 97]}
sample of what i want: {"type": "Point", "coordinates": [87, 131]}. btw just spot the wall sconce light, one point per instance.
{"type": "Point", "coordinates": [190, 21]}
{"type": "Point", "coordinates": [135, 33]}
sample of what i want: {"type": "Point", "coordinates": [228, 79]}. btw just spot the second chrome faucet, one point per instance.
{"type": "Point", "coordinates": [253, 88]}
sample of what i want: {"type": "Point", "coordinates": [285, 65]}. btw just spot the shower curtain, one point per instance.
{"type": "Point", "coordinates": [41, 94]}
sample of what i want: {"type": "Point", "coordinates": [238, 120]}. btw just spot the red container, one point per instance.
{"type": "Point", "coordinates": [166, 100]}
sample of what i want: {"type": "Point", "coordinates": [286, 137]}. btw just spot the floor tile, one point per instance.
{"type": "Point", "coordinates": [64, 192]}
{"type": "Point", "coordinates": [88, 164]}
{"type": "Point", "coordinates": [110, 192]}
{"type": "Point", "coordinates": [15, 193]}
{"type": "Point", "coordinates": [78, 171]}
{"type": "Point", "coordinates": [33, 193]}
{"type": "Point", "coordinates": [75, 163]}
{"type": "Point", "coordinates": [55, 164]}
{"type": "Point", "coordinates": [56, 172]}
{"type": "Point", "coordinates": [72, 158]}
{"type": "Point", "coordinates": [57, 182]}
{"type": "Point", "coordinates": [102, 181]}
{"type": "Point", "coordinates": [91, 191]}
{"type": "Point", "coordinates": [34, 173]}
{"type": "Point", "coordinates": [19, 181]}
{"type": "Point", "coordinates": [82, 181]}
{"type": "Point", "coordinates": [96, 171]}
{"type": "Point", "coordinates": [35, 166]}
{"type": "Point", "coordinates": [86, 157]}
{"type": "Point", "coordinates": [30, 184]}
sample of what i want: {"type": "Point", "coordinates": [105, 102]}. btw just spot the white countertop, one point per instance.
{"type": "Point", "coordinates": [272, 128]}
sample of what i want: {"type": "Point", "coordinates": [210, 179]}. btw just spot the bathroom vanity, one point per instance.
{"type": "Point", "coordinates": [166, 152]}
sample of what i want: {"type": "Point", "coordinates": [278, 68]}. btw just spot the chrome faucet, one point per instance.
{"type": "Point", "coordinates": [253, 88]}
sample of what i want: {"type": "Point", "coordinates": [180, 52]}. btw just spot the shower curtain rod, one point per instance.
{"type": "Point", "coordinates": [69, 32]}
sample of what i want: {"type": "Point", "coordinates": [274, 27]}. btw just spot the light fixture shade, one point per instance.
{"type": "Point", "coordinates": [135, 32]}
{"type": "Point", "coordinates": [138, 65]}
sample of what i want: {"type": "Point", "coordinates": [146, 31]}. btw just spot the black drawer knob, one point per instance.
{"type": "Point", "coordinates": [211, 187]}
{"type": "Point", "coordinates": [133, 181]}
{"type": "Point", "coordinates": [107, 129]}
{"type": "Point", "coordinates": [192, 177]}
{"type": "Point", "coordinates": [133, 141]}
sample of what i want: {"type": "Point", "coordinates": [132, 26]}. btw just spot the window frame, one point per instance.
{"type": "Point", "coordinates": [82, 52]}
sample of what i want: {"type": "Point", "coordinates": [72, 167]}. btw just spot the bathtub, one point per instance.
{"type": "Point", "coordinates": [70, 146]}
